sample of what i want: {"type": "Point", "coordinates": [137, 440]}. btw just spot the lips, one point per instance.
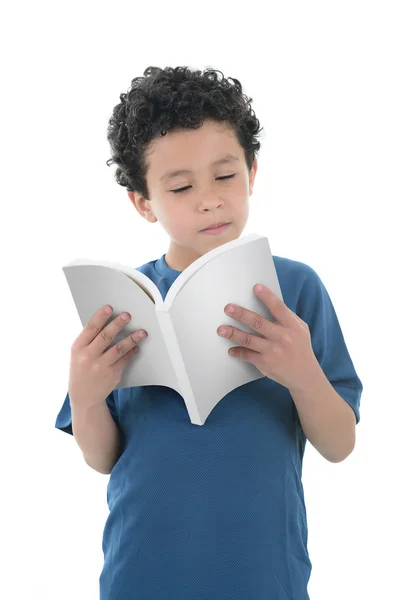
{"type": "Point", "coordinates": [214, 226]}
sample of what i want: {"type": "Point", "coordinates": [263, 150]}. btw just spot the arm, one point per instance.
{"type": "Point", "coordinates": [327, 420]}
{"type": "Point", "coordinates": [97, 435]}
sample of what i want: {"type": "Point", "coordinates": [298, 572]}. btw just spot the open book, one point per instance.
{"type": "Point", "coordinates": [183, 350]}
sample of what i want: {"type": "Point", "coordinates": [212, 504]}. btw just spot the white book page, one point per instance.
{"type": "Point", "coordinates": [198, 310]}
{"type": "Point", "coordinates": [94, 285]}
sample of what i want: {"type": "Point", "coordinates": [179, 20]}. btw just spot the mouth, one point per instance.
{"type": "Point", "coordinates": [215, 230]}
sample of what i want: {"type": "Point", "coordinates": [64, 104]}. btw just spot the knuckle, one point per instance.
{"type": "Point", "coordinates": [287, 338]}
{"type": "Point", "coordinates": [92, 327]}
{"type": "Point", "coordinates": [257, 322]}
{"type": "Point", "coordinates": [81, 357]}
{"type": "Point", "coordinates": [106, 336]}
{"type": "Point", "coordinates": [279, 305]}
{"type": "Point", "coordinates": [120, 348]}
{"type": "Point", "coordinates": [247, 340]}
{"type": "Point", "coordinates": [135, 341]}
{"type": "Point", "coordinates": [240, 313]}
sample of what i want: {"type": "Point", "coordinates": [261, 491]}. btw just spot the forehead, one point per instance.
{"type": "Point", "coordinates": [192, 148]}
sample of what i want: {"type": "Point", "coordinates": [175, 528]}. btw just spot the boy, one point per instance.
{"type": "Point", "coordinates": [215, 512]}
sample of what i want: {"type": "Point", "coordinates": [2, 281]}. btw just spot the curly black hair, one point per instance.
{"type": "Point", "coordinates": [174, 98]}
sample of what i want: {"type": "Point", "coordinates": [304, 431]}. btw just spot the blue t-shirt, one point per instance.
{"type": "Point", "coordinates": [217, 511]}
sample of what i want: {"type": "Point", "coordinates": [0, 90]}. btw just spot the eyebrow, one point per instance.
{"type": "Point", "coordinates": [221, 161]}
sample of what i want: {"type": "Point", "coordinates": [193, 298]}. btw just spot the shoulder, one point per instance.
{"type": "Point", "coordinates": [302, 289]}
{"type": "Point", "coordinates": [295, 275]}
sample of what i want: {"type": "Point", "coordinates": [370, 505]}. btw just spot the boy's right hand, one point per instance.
{"type": "Point", "coordinates": [94, 373]}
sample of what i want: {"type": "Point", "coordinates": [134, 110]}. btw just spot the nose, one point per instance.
{"type": "Point", "coordinates": [210, 202]}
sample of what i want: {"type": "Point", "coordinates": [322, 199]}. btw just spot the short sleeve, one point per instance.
{"type": "Point", "coordinates": [64, 417]}
{"type": "Point", "coordinates": [316, 309]}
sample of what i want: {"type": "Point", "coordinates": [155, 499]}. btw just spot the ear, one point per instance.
{"type": "Point", "coordinates": [252, 175]}
{"type": "Point", "coordinates": [142, 206]}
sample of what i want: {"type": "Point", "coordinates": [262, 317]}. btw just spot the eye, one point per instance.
{"type": "Point", "coordinates": [179, 190]}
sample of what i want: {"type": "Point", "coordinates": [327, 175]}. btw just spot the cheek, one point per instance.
{"type": "Point", "coordinates": [240, 205]}
{"type": "Point", "coordinates": [178, 221]}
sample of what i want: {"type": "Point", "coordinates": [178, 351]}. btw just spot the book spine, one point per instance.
{"type": "Point", "coordinates": [171, 342]}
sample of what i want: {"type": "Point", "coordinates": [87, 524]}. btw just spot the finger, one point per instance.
{"type": "Point", "coordinates": [245, 339]}
{"type": "Point", "coordinates": [128, 344]}
{"type": "Point", "coordinates": [254, 321]}
{"type": "Point", "coordinates": [107, 335]}
{"type": "Point", "coordinates": [92, 328]}
{"type": "Point", "coordinates": [100, 337]}
{"type": "Point", "coordinates": [120, 350]}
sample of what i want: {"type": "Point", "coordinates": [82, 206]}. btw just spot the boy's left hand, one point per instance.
{"type": "Point", "coordinates": [284, 351]}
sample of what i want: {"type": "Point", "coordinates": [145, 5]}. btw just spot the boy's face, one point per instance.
{"type": "Point", "coordinates": [207, 199]}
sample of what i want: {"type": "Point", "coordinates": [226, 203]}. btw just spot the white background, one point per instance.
{"type": "Point", "coordinates": [324, 78]}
